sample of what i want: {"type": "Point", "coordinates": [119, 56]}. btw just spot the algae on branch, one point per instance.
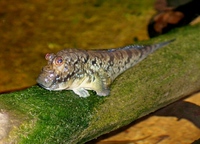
{"type": "Point", "coordinates": [63, 117]}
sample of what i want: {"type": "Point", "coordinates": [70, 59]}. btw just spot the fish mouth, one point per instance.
{"type": "Point", "coordinates": [52, 87]}
{"type": "Point", "coordinates": [49, 84]}
{"type": "Point", "coordinates": [43, 86]}
{"type": "Point", "coordinates": [50, 80]}
{"type": "Point", "coordinates": [46, 82]}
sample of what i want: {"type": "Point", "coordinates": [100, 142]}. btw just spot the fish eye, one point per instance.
{"type": "Point", "coordinates": [58, 61]}
{"type": "Point", "coordinates": [47, 56]}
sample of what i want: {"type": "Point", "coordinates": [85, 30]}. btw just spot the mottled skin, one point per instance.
{"type": "Point", "coordinates": [82, 70]}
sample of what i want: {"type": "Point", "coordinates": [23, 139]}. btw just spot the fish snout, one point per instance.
{"type": "Point", "coordinates": [46, 78]}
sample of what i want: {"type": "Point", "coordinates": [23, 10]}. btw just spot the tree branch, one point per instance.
{"type": "Point", "coordinates": [35, 115]}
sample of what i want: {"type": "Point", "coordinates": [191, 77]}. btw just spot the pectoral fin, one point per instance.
{"type": "Point", "coordinates": [103, 92]}
{"type": "Point", "coordinates": [102, 86]}
{"type": "Point", "coordinates": [81, 92]}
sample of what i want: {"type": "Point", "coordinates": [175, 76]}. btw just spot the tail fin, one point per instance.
{"type": "Point", "coordinates": [159, 45]}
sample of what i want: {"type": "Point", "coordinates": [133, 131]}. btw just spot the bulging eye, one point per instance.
{"type": "Point", "coordinates": [58, 61]}
{"type": "Point", "coordinates": [49, 56]}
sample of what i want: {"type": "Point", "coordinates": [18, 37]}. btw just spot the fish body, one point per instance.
{"type": "Point", "coordinates": [82, 70]}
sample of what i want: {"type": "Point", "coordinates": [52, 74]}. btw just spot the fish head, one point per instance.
{"type": "Point", "coordinates": [56, 73]}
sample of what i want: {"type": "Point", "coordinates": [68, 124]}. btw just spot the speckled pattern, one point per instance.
{"type": "Point", "coordinates": [82, 70]}
{"type": "Point", "coordinates": [30, 29]}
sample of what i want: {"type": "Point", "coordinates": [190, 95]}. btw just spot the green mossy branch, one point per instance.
{"type": "Point", "coordinates": [40, 116]}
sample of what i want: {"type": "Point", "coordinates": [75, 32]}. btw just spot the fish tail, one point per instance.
{"type": "Point", "coordinates": [162, 44]}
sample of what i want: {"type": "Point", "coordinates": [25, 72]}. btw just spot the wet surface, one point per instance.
{"type": "Point", "coordinates": [30, 29]}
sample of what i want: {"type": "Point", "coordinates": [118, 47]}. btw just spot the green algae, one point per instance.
{"type": "Point", "coordinates": [62, 117]}
{"type": "Point", "coordinates": [29, 30]}
{"type": "Point", "coordinates": [55, 116]}
{"type": "Point", "coordinates": [166, 76]}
